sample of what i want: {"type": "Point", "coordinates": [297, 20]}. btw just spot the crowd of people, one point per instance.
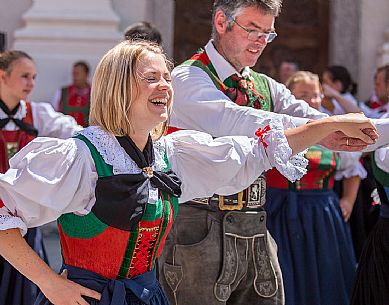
{"type": "Point", "coordinates": [239, 190]}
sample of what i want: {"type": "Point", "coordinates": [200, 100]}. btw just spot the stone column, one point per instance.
{"type": "Point", "coordinates": [383, 57]}
{"type": "Point", "coordinates": [164, 20]}
{"type": "Point", "coordinates": [345, 34]}
{"type": "Point", "coordinates": [374, 23]}
{"type": "Point", "coordinates": [57, 33]}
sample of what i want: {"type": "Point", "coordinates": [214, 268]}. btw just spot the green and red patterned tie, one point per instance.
{"type": "Point", "coordinates": [241, 91]}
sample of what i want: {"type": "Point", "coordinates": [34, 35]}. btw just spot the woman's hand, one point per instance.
{"type": "Point", "coordinates": [356, 125]}
{"type": "Point", "coordinates": [346, 206]}
{"type": "Point", "coordinates": [329, 92]}
{"type": "Point", "coordinates": [352, 128]}
{"type": "Point", "coordinates": [61, 291]}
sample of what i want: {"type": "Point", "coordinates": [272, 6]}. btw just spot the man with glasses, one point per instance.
{"type": "Point", "coordinates": [220, 252]}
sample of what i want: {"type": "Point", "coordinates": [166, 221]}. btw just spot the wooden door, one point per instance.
{"type": "Point", "coordinates": [2, 42]}
{"type": "Point", "coordinates": [192, 27]}
{"type": "Point", "coordinates": [302, 29]}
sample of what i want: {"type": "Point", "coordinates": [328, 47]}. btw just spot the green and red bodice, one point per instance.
{"type": "Point", "coordinates": [76, 102]}
{"type": "Point", "coordinates": [90, 243]}
{"type": "Point", "coordinates": [11, 141]}
{"type": "Point", "coordinates": [382, 181]}
{"type": "Point", "coordinates": [322, 166]}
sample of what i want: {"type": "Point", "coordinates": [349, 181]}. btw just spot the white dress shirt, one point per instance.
{"type": "Point", "coordinates": [199, 105]}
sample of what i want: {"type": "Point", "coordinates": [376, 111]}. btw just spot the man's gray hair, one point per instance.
{"type": "Point", "coordinates": [231, 9]}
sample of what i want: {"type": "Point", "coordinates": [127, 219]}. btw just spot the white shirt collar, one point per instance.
{"type": "Point", "coordinates": [223, 68]}
{"type": "Point", "coordinates": [20, 114]}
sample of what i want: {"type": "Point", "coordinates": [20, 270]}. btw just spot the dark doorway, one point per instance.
{"type": "Point", "coordinates": [2, 41]}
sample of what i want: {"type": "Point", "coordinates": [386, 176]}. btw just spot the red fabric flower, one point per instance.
{"type": "Point", "coordinates": [261, 133]}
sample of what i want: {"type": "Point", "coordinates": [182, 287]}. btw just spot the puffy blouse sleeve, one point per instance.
{"type": "Point", "coordinates": [51, 123]}
{"type": "Point", "coordinates": [227, 165]}
{"type": "Point", "coordinates": [47, 178]}
{"type": "Point", "coordinates": [382, 158]}
{"type": "Point", "coordinates": [350, 166]}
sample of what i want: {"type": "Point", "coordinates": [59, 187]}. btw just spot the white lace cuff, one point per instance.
{"type": "Point", "coordinates": [280, 153]}
{"type": "Point", "coordinates": [11, 222]}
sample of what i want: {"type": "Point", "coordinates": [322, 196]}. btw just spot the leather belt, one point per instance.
{"type": "Point", "coordinates": [252, 197]}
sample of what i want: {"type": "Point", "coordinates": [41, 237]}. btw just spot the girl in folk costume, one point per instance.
{"type": "Point", "coordinates": [372, 280]}
{"type": "Point", "coordinates": [339, 90]}
{"type": "Point", "coordinates": [115, 186]}
{"type": "Point", "coordinates": [20, 122]}
{"type": "Point", "coordinates": [309, 222]}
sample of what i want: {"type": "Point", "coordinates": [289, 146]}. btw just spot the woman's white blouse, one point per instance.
{"type": "Point", "coordinates": [382, 158]}
{"type": "Point", "coordinates": [47, 121]}
{"type": "Point", "coordinates": [350, 165]}
{"type": "Point", "coordinates": [50, 177]}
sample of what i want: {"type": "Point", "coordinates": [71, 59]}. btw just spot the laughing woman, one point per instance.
{"type": "Point", "coordinates": [20, 122]}
{"type": "Point", "coordinates": [114, 188]}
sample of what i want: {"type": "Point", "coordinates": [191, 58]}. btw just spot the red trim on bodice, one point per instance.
{"type": "Point", "coordinates": [12, 141]}
{"type": "Point", "coordinates": [172, 129]}
{"type": "Point", "coordinates": [169, 226]}
{"type": "Point", "coordinates": [143, 255]}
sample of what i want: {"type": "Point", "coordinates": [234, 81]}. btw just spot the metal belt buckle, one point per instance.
{"type": "Point", "coordinates": [256, 193]}
{"type": "Point", "coordinates": [204, 200]}
{"type": "Point", "coordinates": [231, 203]}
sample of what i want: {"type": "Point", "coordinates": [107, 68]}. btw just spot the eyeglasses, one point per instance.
{"type": "Point", "coordinates": [254, 35]}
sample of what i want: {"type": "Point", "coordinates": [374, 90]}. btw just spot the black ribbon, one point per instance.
{"type": "Point", "coordinates": [166, 181]}
{"type": "Point", "coordinates": [121, 199]}
{"type": "Point", "coordinates": [31, 130]}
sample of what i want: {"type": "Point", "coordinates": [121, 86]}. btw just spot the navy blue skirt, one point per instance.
{"type": "Point", "coordinates": [140, 290]}
{"type": "Point", "coordinates": [15, 289]}
{"type": "Point", "coordinates": [315, 248]}
{"type": "Point", "coordinates": [372, 283]}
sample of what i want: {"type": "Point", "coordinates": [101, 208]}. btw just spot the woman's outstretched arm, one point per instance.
{"type": "Point", "coordinates": [56, 288]}
{"type": "Point", "coordinates": [353, 125]}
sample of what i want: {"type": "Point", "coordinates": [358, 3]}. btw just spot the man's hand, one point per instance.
{"type": "Point", "coordinates": [339, 141]}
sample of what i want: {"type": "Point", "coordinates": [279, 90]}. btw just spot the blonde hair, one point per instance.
{"type": "Point", "coordinates": [115, 86]}
{"type": "Point", "coordinates": [302, 76]}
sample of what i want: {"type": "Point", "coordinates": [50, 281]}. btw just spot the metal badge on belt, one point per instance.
{"type": "Point", "coordinates": [252, 197]}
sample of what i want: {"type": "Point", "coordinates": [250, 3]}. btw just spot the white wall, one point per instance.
{"type": "Point", "coordinates": [58, 33]}
{"type": "Point", "coordinates": [131, 11]}
{"type": "Point", "coordinates": [10, 17]}
{"type": "Point", "coordinates": [159, 12]}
